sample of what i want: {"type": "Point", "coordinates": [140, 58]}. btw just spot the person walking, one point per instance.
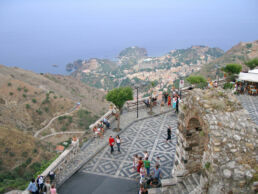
{"type": "Point", "coordinates": [146, 163]}
{"type": "Point", "coordinates": [177, 104]}
{"type": "Point", "coordinates": [142, 174]}
{"type": "Point", "coordinates": [32, 188]}
{"type": "Point", "coordinates": [47, 187]}
{"type": "Point", "coordinates": [140, 163]}
{"type": "Point", "coordinates": [169, 100]}
{"type": "Point", "coordinates": [111, 144]}
{"type": "Point", "coordinates": [169, 134]}
{"type": "Point", "coordinates": [118, 142]}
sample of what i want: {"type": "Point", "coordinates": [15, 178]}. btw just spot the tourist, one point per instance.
{"type": "Point", "coordinates": [142, 174]}
{"type": "Point", "coordinates": [47, 187]}
{"type": "Point", "coordinates": [177, 104]}
{"type": "Point", "coordinates": [118, 142]}
{"type": "Point", "coordinates": [51, 176]}
{"type": "Point", "coordinates": [165, 97]}
{"type": "Point", "coordinates": [97, 132]}
{"type": "Point", "coordinates": [53, 189]}
{"type": "Point", "coordinates": [169, 100]}
{"type": "Point", "coordinates": [106, 122]}
{"type": "Point", "coordinates": [157, 161]}
{"type": "Point", "coordinates": [146, 163]}
{"type": "Point", "coordinates": [111, 143]}
{"type": "Point", "coordinates": [169, 134]}
{"type": "Point", "coordinates": [32, 188]}
{"type": "Point", "coordinates": [135, 161]}
{"type": "Point", "coordinates": [40, 182]}
{"type": "Point", "coordinates": [162, 104]}
{"type": "Point", "coordinates": [146, 155]}
{"type": "Point", "coordinates": [143, 190]}
{"type": "Point", "coordinates": [146, 102]}
{"type": "Point", "coordinates": [157, 173]}
{"type": "Point", "coordinates": [174, 102]}
{"type": "Point", "coordinates": [140, 163]}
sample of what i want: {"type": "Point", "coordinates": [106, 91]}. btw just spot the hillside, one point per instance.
{"type": "Point", "coordinates": [239, 54]}
{"type": "Point", "coordinates": [21, 157]}
{"type": "Point", "coordinates": [28, 101]}
{"type": "Point", "coordinates": [134, 64]}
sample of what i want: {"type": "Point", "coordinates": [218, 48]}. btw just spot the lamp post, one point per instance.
{"type": "Point", "coordinates": [137, 87]}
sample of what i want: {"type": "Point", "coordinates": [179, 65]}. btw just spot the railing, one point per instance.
{"type": "Point", "coordinates": [109, 116]}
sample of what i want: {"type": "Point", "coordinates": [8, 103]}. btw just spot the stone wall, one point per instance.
{"type": "Point", "coordinates": [217, 138]}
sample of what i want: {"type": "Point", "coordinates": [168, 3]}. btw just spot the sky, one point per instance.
{"type": "Point", "coordinates": [34, 35]}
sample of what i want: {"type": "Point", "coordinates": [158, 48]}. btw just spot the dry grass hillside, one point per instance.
{"type": "Point", "coordinates": [239, 54]}
{"type": "Point", "coordinates": [21, 158]}
{"type": "Point", "coordinates": [28, 101]}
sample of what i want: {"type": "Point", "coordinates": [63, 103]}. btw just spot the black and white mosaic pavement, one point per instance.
{"type": "Point", "coordinates": [146, 135]}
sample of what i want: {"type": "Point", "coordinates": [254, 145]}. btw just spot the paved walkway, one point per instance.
{"type": "Point", "coordinates": [250, 103]}
{"type": "Point", "coordinates": [147, 135]}
{"type": "Point", "coordinates": [97, 145]}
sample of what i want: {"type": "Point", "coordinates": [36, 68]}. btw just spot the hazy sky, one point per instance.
{"type": "Point", "coordinates": [35, 34]}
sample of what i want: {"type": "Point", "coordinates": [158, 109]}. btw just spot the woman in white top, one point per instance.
{"type": "Point", "coordinates": [118, 142]}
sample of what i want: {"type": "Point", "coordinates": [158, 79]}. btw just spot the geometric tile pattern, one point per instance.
{"type": "Point", "coordinates": [146, 135]}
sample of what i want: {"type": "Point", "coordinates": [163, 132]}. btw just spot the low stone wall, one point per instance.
{"type": "Point", "coordinates": [109, 115]}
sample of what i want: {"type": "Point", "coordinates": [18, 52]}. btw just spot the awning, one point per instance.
{"type": "Point", "coordinates": [250, 77]}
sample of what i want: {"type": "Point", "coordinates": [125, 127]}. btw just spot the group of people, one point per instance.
{"type": "Point", "coordinates": [142, 166]}
{"type": "Point", "coordinates": [114, 141]}
{"type": "Point", "coordinates": [99, 130]}
{"type": "Point", "coordinates": [39, 186]}
{"type": "Point", "coordinates": [171, 100]}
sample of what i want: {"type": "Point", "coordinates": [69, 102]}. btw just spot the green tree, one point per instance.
{"type": "Point", "coordinates": [232, 70]}
{"type": "Point", "coordinates": [252, 63]}
{"type": "Point", "coordinates": [118, 97]}
{"type": "Point", "coordinates": [197, 80]}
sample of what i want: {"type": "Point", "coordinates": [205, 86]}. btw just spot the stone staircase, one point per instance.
{"type": "Point", "coordinates": [191, 184]}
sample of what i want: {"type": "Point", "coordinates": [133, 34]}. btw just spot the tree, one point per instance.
{"type": "Point", "coordinates": [118, 97]}
{"type": "Point", "coordinates": [252, 63]}
{"type": "Point", "coordinates": [197, 80]}
{"type": "Point", "coordinates": [232, 70]}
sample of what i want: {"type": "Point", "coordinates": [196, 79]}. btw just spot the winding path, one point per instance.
{"type": "Point", "coordinates": [50, 122]}
{"type": "Point", "coordinates": [62, 133]}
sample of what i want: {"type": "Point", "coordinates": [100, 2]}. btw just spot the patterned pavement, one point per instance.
{"type": "Point", "coordinates": [146, 135]}
{"type": "Point", "coordinates": [250, 103]}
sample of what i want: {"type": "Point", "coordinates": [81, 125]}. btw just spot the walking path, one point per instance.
{"type": "Point", "coordinates": [250, 103]}
{"type": "Point", "coordinates": [62, 133]}
{"type": "Point", "coordinates": [96, 145]}
{"type": "Point", "coordinates": [50, 122]}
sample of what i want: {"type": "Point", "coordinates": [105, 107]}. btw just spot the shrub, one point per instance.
{"type": "Point", "coordinates": [228, 86]}
{"type": "Point", "coordinates": [39, 112]}
{"type": "Point", "coordinates": [35, 150]}
{"type": "Point", "coordinates": [10, 93]}
{"type": "Point", "coordinates": [19, 89]}
{"type": "Point", "coordinates": [46, 109]}
{"type": "Point", "coordinates": [252, 63]}
{"type": "Point", "coordinates": [25, 90]}
{"type": "Point", "coordinates": [55, 97]}
{"type": "Point", "coordinates": [24, 95]}
{"type": "Point", "coordinates": [27, 106]}
{"type": "Point", "coordinates": [232, 69]}
{"type": "Point", "coordinates": [12, 154]}
{"type": "Point", "coordinates": [9, 84]}
{"type": "Point", "coordinates": [64, 128]}
{"type": "Point", "coordinates": [207, 165]}
{"type": "Point", "coordinates": [24, 154]}
{"type": "Point", "coordinates": [34, 100]}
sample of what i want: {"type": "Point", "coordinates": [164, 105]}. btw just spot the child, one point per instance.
{"type": "Point", "coordinates": [142, 174]}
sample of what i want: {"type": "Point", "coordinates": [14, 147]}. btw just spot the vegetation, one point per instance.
{"type": "Point", "coordinates": [228, 86]}
{"type": "Point", "coordinates": [197, 80]}
{"type": "Point", "coordinates": [19, 89]}
{"type": "Point", "coordinates": [9, 84]}
{"type": "Point", "coordinates": [24, 95]}
{"type": "Point", "coordinates": [85, 118]}
{"type": "Point", "coordinates": [232, 69]}
{"type": "Point", "coordinates": [34, 100]}
{"type": "Point", "coordinates": [118, 97]}
{"type": "Point", "coordinates": [10, 93]}
{"type": "Point", "coordinates": [27, 106]}
{"type": "Point", "coordinates": [252, 63]}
